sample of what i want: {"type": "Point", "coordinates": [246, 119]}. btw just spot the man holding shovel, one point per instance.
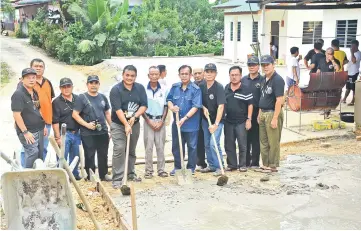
{"type": "Point", "coordinates": [62, 114]}
{"type": "Point", "coordinates": [213, 99]}
{"type": "Point", "coordinates": [154, 128]}
{"type": "Point", "coordinates": [129, 101]}
{"type": "Point", "coordinates": [185, 98]}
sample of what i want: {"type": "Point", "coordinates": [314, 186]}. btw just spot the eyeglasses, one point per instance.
{"type": "Point", "coordinates": [94, 82]}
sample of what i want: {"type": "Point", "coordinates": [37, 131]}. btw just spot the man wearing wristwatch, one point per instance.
{"type": "Point", "coordinates": [185, 98]}
{"type": "Point", "coordinates": [129, 101]}
{"type": "Point", "coordinates": [239, 108]}
{"type": "Point", "coordinates": [154, 127]}
{"type": "Point", "coordinates": [30, 126]}
{"type": "Point", "coordinates": [62, 114]}
{"type": "Point", "coordinates": [213, 99]}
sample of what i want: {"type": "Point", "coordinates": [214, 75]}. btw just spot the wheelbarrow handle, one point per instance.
{"type": "Point", "coordinates": [9, 161]}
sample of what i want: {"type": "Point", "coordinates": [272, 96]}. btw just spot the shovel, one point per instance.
{"type": "Point", "coordinates": [183, 175]}
{"type": "Point", "coordinates": [125, 189]}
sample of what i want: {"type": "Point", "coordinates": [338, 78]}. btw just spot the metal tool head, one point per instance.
{"type": "Point", "coordinates": [184, 176]}
{"type": "Point", "coordinates": [93, 177]}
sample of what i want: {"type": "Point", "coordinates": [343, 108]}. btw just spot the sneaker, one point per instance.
{"type": "Point", "coordinates": [243, 169]}
{"type": "Point", "coordinates": [133, 177]}
{"type": "Point", "coordinates": [163, 174]}
{"type": "Point", "coordinates": [217, 173]}
{"type": "Point", "coordinates": [172, 173]}
{"type": "Point", "coordinates": [199, 168]}
{"type": "Point", "coordinates": [107, 178]}
{"type": "Point", "coordinates": [208, 169]}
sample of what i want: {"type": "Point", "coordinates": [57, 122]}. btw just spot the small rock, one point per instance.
{"type": "Point", "coordinates": [325, 145]}
{"type": "Point", "coordinates": [265, 178]}
{"type": "Point", "coordinates": [290, 192]}
{"type": "Point", "coordinates": [322, 186]}
{"type": "Point", "coordinates": [335, 187]}
{"type": "Point", "coordinates": [358, 138]}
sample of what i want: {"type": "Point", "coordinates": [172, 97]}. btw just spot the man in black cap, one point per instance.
{"type": "Point", "coordinates": [213, 99]}
{"type": "Point", "coordinates": [30, 126]}
{"type": "Point", "coordinates": [91, 111]}
{"type": "Point", "coordinates": [239, 109]}
{"type": "Point", "coordinates": [270, 117]}
{"type": "Point", "coordinates": [62, 114]}
{"type": "Point", "coordinates": [253, 81]}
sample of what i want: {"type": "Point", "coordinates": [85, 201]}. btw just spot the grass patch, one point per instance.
{"type": "Point", "coordinates": [5, 73]}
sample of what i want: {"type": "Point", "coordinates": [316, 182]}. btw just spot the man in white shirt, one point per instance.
{"type": "Point", "coordinates": [353, 67]}
{"type": "Point", "coordinates": [293, 68]}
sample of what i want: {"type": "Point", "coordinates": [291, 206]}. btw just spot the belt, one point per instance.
{"type": "Point", "coordinates": [153, 117]}
{"type": "Point", "coordinates": [267, 110]}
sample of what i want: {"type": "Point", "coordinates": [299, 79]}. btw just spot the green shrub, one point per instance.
{"type": "Point", "coordinates": [19, 33]}
{"type": "Point", "coordinates": [66, 49]}
{"type": "Point", "coordinates": [53, 40]}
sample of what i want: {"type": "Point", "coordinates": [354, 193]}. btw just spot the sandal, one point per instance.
{"type": "Point", "coordinates": [274, 170]}
{"type": "Point", "coordinates": [228, 169]}
{"type": "Point", "coordinates": [163, 174]}
{"type": "Point", "coordinates": [260, 169]}
{"type": "Point", "coordinates": [133, 177]}
{"type": "Point", "coordinates": [148, 175]}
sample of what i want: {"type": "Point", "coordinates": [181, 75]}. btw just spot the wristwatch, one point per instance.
{"type": "Point", "coordinates": [24, 132]}
{"type": "Point", "coordinates": [249, 118]}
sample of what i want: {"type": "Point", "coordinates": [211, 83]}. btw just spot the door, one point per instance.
{"type": "Point", "coordinates": [275, 32]}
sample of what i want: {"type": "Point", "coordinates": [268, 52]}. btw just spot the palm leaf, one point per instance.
{"type": "Point", "coordinates": [77, 12]}
{"type": "Point", "coordinates": [95, 9]}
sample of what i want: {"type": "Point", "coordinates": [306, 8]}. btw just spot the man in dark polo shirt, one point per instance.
{"type": "Point", "coordinates": [312, 52]}
{"type": "Point", "coordinates": [91, 111]}
{"type": "Point", "coordinates": [198, 75]}
{"type": "Point", "coordinates": [30, 126]}
{"type": "Point", "coordinates": [253, 82]}
{"type": "Point", "coordinates": [270, 117]}
{"type": "Point", "coordinates": [129, 101]}
{"type": "Point", "coordinates": [238, 110]}
{"type": "Point", "coordinates": [329, 63]}
{"type": "Point", "coordinates": [213, 99]}
{"type": "Point", "coordinates": [63, 106]}
{"type": "Point", "coordinates": [315, 60]}
{"type": "Point", "coordinates": [185, 98]}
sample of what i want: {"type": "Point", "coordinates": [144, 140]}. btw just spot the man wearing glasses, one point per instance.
{"type": "Point", "coordinates": [91, 111]}
{"type": "Point", "coordinates": [62, 114]}
{"type": "Point", "coordinates": [30, 126]}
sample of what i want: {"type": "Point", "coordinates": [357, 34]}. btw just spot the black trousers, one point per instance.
{"type": "Point", "coordinates": [98, 144]}
{"type": "Point", "coordinates": [201, 153]}
{"type": "Point", "coordinates": [235, 133]}
{"type": "Point", "coordinates": [253, 146]}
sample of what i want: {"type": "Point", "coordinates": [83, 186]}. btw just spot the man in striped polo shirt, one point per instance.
{"type": "Point", "coordinates": [239, 108]}
{"type": "Point", "coordinates": [154, 128]}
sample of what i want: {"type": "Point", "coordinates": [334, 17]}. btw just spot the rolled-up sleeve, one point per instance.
{"type": "Point", "coordinates": [197, 98]}
{"type": "Point", "coordinates": [170, 95]}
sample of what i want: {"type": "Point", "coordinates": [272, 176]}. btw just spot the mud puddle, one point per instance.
{"type": "Point", "coordinates": [309, 192]}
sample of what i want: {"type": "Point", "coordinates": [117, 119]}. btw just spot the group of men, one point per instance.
{"type": "Point", "coordinates": [331, 60]}
{"type": "Point", "coordinates": [249, 109]}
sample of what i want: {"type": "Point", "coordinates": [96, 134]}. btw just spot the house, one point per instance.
{"type": "Point", "coordinates": [288, 23]}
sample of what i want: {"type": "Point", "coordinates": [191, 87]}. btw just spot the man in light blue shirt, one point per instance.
{"type": "Point", "coordinates": [154, 127]}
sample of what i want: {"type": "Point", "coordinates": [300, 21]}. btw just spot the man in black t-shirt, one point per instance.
{"type": "Point", "coordinates": [312, 52]}
{"type": "Point", "coordinates": [129, 102]}
{"type": "Point", "coordinates": [328, 63]}
{"type": "Point", "coordinates": [316, 58]}
{"type": "Point", "coordinates": [91, 111]}
{"type": "Point", "coordinates": [213, 99]}
{"type": "Point", "coordinates": [239, 108]}
{"type": "Point", "coordinates": [30, 126]}
{"type": "Point", "coordinates": [270, 117]}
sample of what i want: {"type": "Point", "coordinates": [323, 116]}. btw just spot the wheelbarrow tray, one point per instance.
{"type": "Point", "coordinates": [38, 199]}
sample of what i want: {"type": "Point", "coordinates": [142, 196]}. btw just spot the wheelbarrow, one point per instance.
{"type": "Point", "coordinates": [38, 198]}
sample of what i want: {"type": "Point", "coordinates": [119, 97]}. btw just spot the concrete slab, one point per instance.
{"type": "Point", "coordinates": [309, 192]}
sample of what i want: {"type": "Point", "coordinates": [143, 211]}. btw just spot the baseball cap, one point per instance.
{"type": "Point", "coordinates": [92, 78]}
{"type": "Point", "coordinates": [253, 60]}
{"type": "Point", "coordinates": [28, 71]}
{"type": "Point", "coordinates": [266, 59]}
{"type": "Point", "coordinates": [210, 66]}
{"type": "Point", "coordinates": [65, 81]}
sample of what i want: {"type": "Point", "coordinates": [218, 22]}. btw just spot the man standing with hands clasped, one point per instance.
{"type": "Point", "coordinates": [213, 98]}
{"type": "Point", "coordinates": [185, 98]}
{"type": "Point", "coordinates": [91, 111]}
{"type": "Point", "coordinates": [154, 128]}
{"type": "Point", "coordinates": [129, 102]}
{"type": "Point", "coordinates": [270, 116]}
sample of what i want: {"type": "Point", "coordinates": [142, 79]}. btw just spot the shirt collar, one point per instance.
{"type": "Point", "coordinates": [188, 86]}
{"type": "Point", "coordinates": [258, 76]}
{"type": "Point", "coordinates": [150, 88]}
{"type": "Point", "coordinates": [121, 86]}
{"type": "Point", "coordinates": [229, 87]}
{"type": "Point", "coordinates": [73, 99]}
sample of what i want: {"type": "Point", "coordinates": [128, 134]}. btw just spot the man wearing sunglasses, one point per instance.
{"type": "Point", "coordinates": [91, 111]}
{"type": "Point", "coordinates": [253, 81]}
{"type": "Point", "coordinates": [30, 126]}
{"type": "Point", "coordinates": [62, 114]}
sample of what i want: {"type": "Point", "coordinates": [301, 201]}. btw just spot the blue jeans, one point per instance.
{"type": "Point", "coordinates": [72, 143]}
{"type": "Point", "coordinates": [210, 146]}
{"type": "Point", "coordinates": [45, 150]}
{"type": "Point", "coordinates": [191, 138]}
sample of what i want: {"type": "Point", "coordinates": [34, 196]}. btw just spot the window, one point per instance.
{"type": "Point", "coordinates": [346, 32]}
{"type": "Point", "coordinates": [255, 32]}
{"type": "Point", "coordinates": [239, 31]}
{"type": "Point", "coordinates": [231, 31]}
{"type": "Point", "coordinates": [311, 32]}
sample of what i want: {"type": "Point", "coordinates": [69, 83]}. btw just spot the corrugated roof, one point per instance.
{"type": "Point", "coordinates": [244, 8]}
{"type": "Point", "coordinates": [30, 2]}
{"type": "Point", "coordinates": [232, 3]}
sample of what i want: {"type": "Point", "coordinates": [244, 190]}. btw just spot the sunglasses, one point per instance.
{"type": "Point", "coordinates": [67, 86]}
{"type": "Point", "coordinates": [94, 82]}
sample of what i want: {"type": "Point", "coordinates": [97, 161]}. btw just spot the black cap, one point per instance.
{"type": "Point", "coordinates": [92, 78]}
{"type": "Point", "coordinates": [266, 59]}
{"type": "Point", "coordinates": [253, 60]}
{"type": "Point", "coordinates": [65, 81]}
{"type": "Point", "coordinates": [210, 66]}
{"type": "Point", "coordinates": [28, 71]}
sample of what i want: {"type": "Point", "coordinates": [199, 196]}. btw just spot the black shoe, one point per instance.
{"type": "Point", "coordinates": [77, 178]}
